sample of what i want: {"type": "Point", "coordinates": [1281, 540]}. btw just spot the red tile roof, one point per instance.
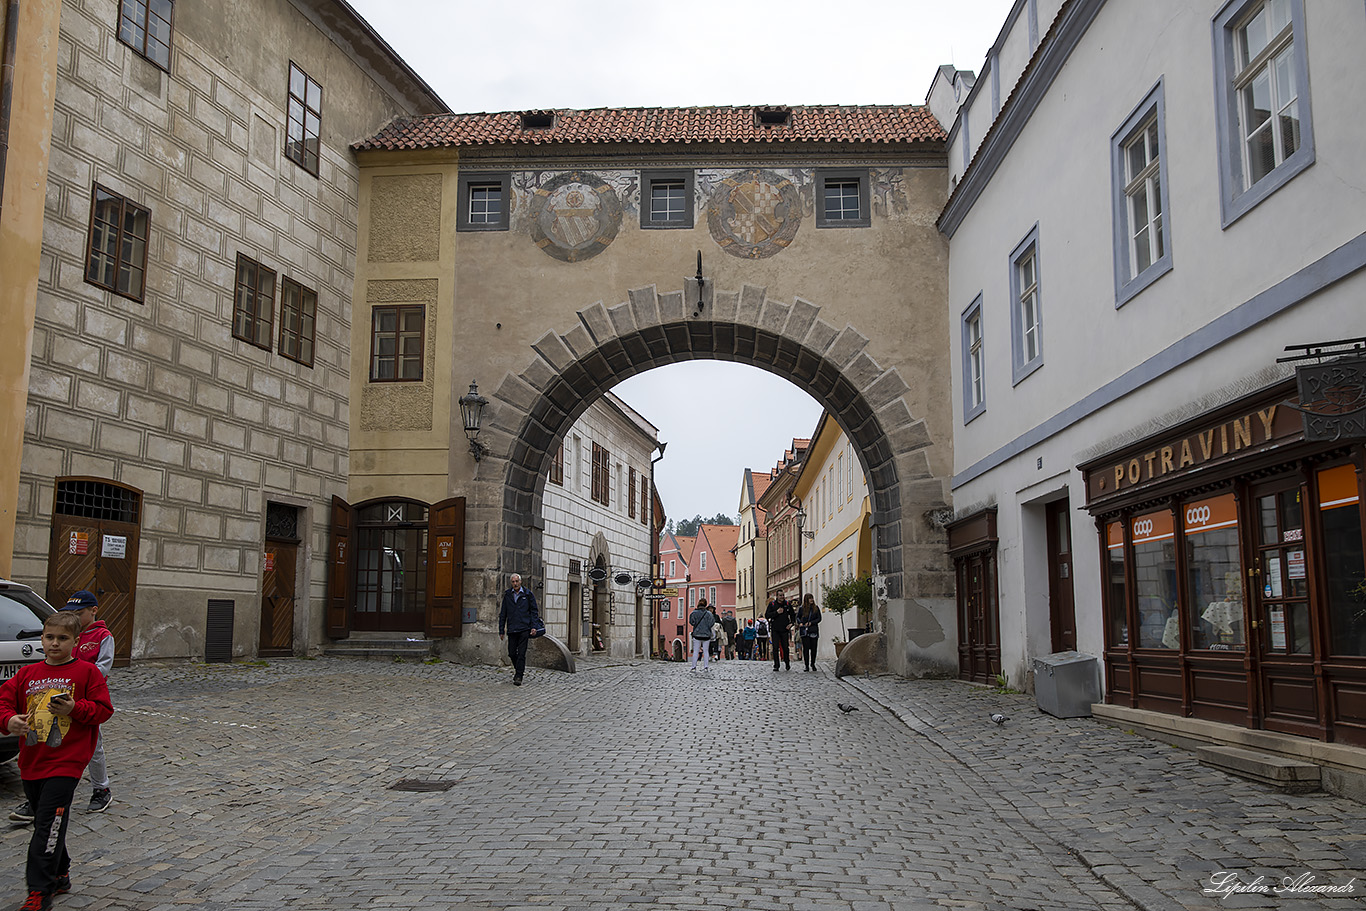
{"type": "Point", "coordinates": [851, 124]}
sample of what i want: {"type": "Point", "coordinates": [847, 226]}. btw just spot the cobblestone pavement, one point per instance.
{"type": "Point", "coordinates": [641, 785]}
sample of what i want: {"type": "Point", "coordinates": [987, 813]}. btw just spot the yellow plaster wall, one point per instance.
{"type": "Point", "coordinates": [21, 237]}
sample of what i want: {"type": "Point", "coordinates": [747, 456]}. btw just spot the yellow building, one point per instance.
{"type": "Point", "coordinates": [836, 539]}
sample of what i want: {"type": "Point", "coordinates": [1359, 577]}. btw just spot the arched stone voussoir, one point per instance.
{"type": "Point", "coordinates": [595, 320]}
{"type": "Point", "coordinates": [517, 393]}
{"type": "Point", "coordinates": [862, 371]}
{"type": "Point", "coordinates": [846, 346]}
{"type": "Point", "coordinates": [887, 388]}
{"type": "Point", "coordinates": [553, 350]}
{"type": "Point", "coordinates": [644, 306]}
{"type": "Point", "coordinates": [622, 319]}
{"type": "Point", "coordinates": [773, 317]}
{"type": "Point", "coordinates": [800, 319]}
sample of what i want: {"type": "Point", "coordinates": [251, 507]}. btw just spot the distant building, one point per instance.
{"type": "Point", "coordinates": [783, 540]}
{"type": "Point", "coordinates": [597, 511]}
{"type": "Point", "coordinates": [674, 553]}
{"type": "Point", "coordinates": [751, 553]}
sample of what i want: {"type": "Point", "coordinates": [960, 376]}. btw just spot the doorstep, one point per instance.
{"type": "Point", "coordinates": [1342, 769]}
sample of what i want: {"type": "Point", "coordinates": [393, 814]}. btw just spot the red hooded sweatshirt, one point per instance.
{"type": "Point", "coordinates": [69, 741]}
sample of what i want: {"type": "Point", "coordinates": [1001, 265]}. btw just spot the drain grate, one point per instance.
{"type": "Point", "coordinates": [418, 784]}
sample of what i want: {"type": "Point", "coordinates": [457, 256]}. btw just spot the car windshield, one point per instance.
{"type": "Point", "coordinates": [19, 614]}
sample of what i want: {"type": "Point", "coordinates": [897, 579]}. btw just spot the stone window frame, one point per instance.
{"type": "Point", "coordinates": [686, 217]}
{"type": "Point", "coordinates": [253, 302]}
{"type": "Point", "coordinates": [303, 145]}
{"type": "Point", "coordinates": [631, 493]}
{"type": "Point", "coordinates": [487, 179]}
{"type": "Point", "coordinates": [399, 311]}
{"type": "Point", "coordinates": [298, 321]}
{"type": "Point", "coordinates": [134, 18]}
{"type": "Point", "coordinates": [1238, 195]}
{"type": "Point", "coordinates": [843, 176]}
{"type": "Point", "coordinates": [1150, 114]}
{"type": "Point", "coordinates": [124, 260]}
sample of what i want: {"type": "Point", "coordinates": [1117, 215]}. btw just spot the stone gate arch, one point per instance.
{"type": "Point", "coordinates": [567, 369]}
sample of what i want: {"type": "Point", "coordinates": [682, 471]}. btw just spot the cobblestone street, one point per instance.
{"type": "Point", "coordinates": [643, 785]}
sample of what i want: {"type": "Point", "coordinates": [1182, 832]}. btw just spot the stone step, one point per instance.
{"type": "Point", "coordinates": [374, 647]}
{"type": "Point", "coordinates": [1290, 775]}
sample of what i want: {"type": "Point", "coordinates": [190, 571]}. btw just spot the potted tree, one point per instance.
{"type": "Point", "coordinates": [850, 594]}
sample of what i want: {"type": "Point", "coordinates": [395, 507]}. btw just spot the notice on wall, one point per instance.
{"type": "Point", "coordinates": [1276, 620]}
{"type": "Point", "coordinates": [1273, 576]}
{"type": "Point", "coordinates": [115, 547]}
{"type": "Point", "coordinates": [270, 561]}
{"type": "Point", "coordinates": [80, 543]}
{"type": "Point", "coordinates": [1294, 564]}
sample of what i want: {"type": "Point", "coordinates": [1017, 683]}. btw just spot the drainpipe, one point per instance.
{"type": "Point", "coordinates": [7, 86]}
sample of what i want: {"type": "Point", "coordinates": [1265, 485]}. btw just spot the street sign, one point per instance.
{"type": "Point", "coordinates": [666, 592]}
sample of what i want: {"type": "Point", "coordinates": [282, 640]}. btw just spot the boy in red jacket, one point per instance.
{"type": "Point", "coordinates": [96, 645]}
{"type": "Point", "coordinates": [58, 705]}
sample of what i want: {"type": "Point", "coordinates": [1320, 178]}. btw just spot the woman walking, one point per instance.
{"type": "Point", "coordinates": [703, 622]}
{"type": "Point", "coordinates": [809, 628]}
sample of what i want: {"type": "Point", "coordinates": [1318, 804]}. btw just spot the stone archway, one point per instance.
{"type": "Point", "coordinates": [568, 370]}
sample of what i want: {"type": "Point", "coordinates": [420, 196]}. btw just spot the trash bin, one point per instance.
{"type": "Point", "coordinates": [1066, 684]}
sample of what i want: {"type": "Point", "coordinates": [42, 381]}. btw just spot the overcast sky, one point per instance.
{"type": "Point", "coordinates": [531, 54]}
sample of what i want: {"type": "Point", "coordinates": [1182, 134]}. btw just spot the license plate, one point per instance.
{"type": "Point", "coordinates": [8, 669]}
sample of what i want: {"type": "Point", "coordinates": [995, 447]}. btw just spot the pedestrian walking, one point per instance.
{"type": "Point", "coordinates": [522, 621]}
{"type": "Point", "coordinates": [732, 630]}
{"type": "Point", "coordinates": [718, 635]}
{"type": "Point", "coordinates": [780, 617]}
{"type": "Point", "coordinates": [761, 636]}
{"type": "Point", "coordinates": [96, 645]}
{"type": "Point", "coordinates": [702, 620]}
{"type": "Point", "coordinates": [57, 706]}
{"type": "Point", "coordinates": [747, 641]}
{"type": "Point", "coordinates": [809, 630]}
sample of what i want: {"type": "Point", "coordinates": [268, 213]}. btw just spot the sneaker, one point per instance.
{"type": "Point", "coordinates": [63, 884]}
{"type": "Point", "coordinates": [22, 813]}
{"type": "Point", "coordinates": [100, 800]}
{"type": "Point", "coordinates": [37, 901]}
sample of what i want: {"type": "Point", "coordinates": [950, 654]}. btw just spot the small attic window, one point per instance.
{"type": "Point", "coordinates": [773, 117]}
{"type": "Point", "coordinates": [538, 120]}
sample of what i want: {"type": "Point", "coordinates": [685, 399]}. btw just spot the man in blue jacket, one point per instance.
{"type": "Point", "coordinates": [520, 619]}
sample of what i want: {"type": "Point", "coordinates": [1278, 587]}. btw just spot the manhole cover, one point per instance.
{"type": "Point", "coordinates": [417, 784]}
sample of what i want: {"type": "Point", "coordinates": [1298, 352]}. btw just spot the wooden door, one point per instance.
{"type": "Point", "coordinates": [101, 556]}
{"type": "Point", "coordinates": [446, 568]}
{"type": "Point", "coordinates": [1062, 614]}
{"type": "Point", "coordinates": [979, 641]}
{"type": "Point", "coordinates": [278, 583]}
{"type": "Point", "coordinates": [1283, 641]}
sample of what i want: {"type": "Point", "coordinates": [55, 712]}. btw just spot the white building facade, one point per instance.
{"type": "Point", "coordinates": [597, 533]}
{"type": "Point", "coordinates": [1151, 202]}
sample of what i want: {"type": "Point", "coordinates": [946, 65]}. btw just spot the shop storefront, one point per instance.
{"type": "Point", "coordinates": [1231, 554]}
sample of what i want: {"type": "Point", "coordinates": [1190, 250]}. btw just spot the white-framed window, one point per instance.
{"type": "Point", "coordinates": [712, 598]}
{"type": "Point", "coordinates": [666, 199]}
{"type": "Point", "coordinates": [484, 202]}
{"type": "Point", "coordinates": [702, 565]}
{"type": "Point", "coordinates": [1026, 308]}
{"type": "Point", "coordinates": [842, 198]}
{"type": "Point", "coordinates": [974, 363]}
{"type": "Point", "coordinates": [1262, 109]}
{"type": "Point", "coordinates": [1138, 165]}
{"type": "Point", "coordinates": [673, 568]}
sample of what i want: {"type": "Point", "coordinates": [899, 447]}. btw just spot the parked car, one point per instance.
{"type": "Point", "coordinates": [22, 612]}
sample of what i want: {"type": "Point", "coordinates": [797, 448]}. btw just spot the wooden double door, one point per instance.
{"type": "Point", "coordinates": [101, 556]}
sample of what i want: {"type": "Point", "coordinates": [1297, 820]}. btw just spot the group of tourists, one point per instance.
{"type": "Point", "coordinates": [719, 637]}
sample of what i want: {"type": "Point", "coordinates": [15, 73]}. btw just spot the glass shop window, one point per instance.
{"type": "Point", "coordinates": [1159, 615]}
{"type": "Point", "coordinates": [1116, 591]}
{"type": "Point", "coordinates": [1340, 508]}
{"type": "Point", "coordinates": [1214, 573]}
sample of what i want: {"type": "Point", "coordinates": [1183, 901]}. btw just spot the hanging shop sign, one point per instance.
{"type": "Point", "coordinates": [1333, 400]}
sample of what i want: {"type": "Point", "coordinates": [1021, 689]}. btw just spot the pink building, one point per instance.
{"type": "Point", "coordinates": [711, 571]}
{"type": "Point", "coordinates": [672, 619]}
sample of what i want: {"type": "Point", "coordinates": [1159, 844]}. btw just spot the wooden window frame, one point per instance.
{"type": "Point", "coordinates": [261, 332]}
{"type": "Point", "coordinates": [631, 493]}
{"type": "Point", "coordinates": [133, 30]}
{"type": "Point", "coordinates": [602, 475]}
{"type": "Point", "coordinates": [399, 311]}
{"type": "Point", "coordinates": [297, 133]}
{"type": "Point", "coordinates": [121, 237]}
{"type": "Point", "coordinates": [556, 475]}
{"type": "Point", "coordinates": [298, 321]}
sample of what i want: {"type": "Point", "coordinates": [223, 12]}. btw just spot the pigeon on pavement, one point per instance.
{"type": "Point", "coordinates": [998, 719]}
{"type": "Point", "coordinates": [846, 708]}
